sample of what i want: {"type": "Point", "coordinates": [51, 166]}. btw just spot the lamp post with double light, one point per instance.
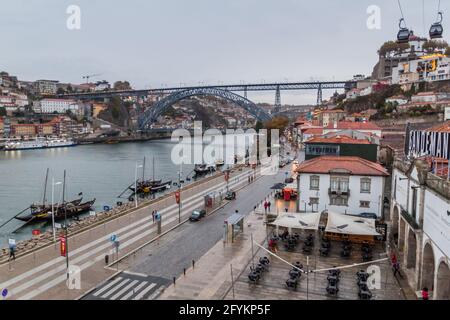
{"type": "Point", "coordinates": [135, 184]}
{"type": "Point", "coordinates": [53, 207]}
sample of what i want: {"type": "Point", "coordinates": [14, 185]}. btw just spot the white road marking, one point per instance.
{"type": "Point", "coordinates": [121, 292]}
{"type": "Point", "coordinates": [156, 293]}
{"type": "Point", "coordinates": [139, 287]}
{"type": "Point", "coordinates": [143, 292]}
{"type": "Point", "coordinates": [117, 287]}
{"type": "Point", "coordinates": [197, 198]}
{"type": "Point", "coordinates": [109, 285]}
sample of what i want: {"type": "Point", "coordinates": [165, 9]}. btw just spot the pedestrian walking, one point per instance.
{"type": "Point", "coordinates": [268, 205]}
{"type": "Point", "coordinates": [153, 215]}
{"type": "Point", "coordinates": [425, 295]}
{"type": "Point", "coordinates": [286, 210]}
{"type": "Point", "coordinates": [12, 253]}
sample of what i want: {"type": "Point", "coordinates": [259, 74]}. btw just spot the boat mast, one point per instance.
{"type": "Point", "coordinates": [143, 171]}
{"type": "Point", "coordinates": [45, 189]}
{"type": "Point", "coordinates": [153, 169]}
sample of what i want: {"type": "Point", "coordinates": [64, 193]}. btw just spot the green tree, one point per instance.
{"type": "Point", "coordinates": [122, 85]}
{"type": "Point", "coordinates": [60, 91]}
{"type": "Point", "coordinates": [258, 126]}
{"type": "Point", "coordinates": [2, 111]}
{"type": "Point", "coordinates": [435, 45]}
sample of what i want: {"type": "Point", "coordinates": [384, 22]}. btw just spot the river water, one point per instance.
{"type": "Point", "coordinates": [100, 171]}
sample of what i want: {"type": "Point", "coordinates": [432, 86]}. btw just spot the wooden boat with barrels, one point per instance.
{"type": "Point", "coordinates": [70, 209]}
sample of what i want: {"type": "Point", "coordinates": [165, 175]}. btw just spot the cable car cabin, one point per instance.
{"type": "Point", "coordinates": [403, 35]}
{"type": "Point", "coordinates": [436, 29]}
{"type": "Point", "coordinates": [353, 238]}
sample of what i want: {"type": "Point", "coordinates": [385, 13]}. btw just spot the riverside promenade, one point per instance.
{"type": "Point", "coordinates": [41, 273]}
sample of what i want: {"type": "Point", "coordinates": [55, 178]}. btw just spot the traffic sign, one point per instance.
{"type": "Point", "coordinates": [113, 238]}
{"type": "Point", "coordinates": [4, 293]}
{"type": "Point", "coordinates": [58, 225]}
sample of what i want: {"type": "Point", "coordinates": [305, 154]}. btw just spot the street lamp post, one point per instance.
{"type": "Point", "coordinates": [65, 224]}
{"type": "Point", "coordinates": [179, 193]}
{"type": "Point", "coordinates": [53, 209]}
{"type": "Point", "coordinates": [135, 185]}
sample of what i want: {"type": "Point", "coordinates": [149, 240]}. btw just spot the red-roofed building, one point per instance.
{"type": "Point", "coordinates": [346, 185]}
{"type": "Point", "coordinates": [366, 127]}
{"type": "Point", "coordinates": [340, 145]}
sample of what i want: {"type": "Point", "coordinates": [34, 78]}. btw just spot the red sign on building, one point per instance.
{"type": "Point", "coordinates": [63, 246]}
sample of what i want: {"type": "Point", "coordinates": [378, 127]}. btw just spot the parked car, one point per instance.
{"type": "Point", "coordinates": [196, 215]}
{"type": "Point", "coordinates": [230, 195]}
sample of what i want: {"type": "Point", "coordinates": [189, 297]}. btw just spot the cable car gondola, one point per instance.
{"type": "Point", "coordinates": [403, 33]}
{"type": "Point", "coordinates": [436, 29]}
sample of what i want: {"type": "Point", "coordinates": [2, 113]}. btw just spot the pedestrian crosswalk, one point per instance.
{"type": "Point", "coordinates": [129, 286]}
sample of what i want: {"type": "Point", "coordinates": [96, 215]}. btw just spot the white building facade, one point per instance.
{"type": "Point", "coordinates": [57, 106]}
{"type": "Point", "coordinates": [420, 230]}
{"type": "Point", "coordinates": [346, 185]}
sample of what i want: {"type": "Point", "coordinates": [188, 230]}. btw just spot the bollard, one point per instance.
{"type": "Point", "coordinates": [106, 259]}
{"type": "Point", "coordinates": [193, 264]}
{"type": "Point", "coordinates": [184, 271]}
{"type": "Point", "coordinates": [174, 280]}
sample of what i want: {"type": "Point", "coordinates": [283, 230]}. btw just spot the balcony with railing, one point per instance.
{"type": "Point", "coordinates": [339, 192]}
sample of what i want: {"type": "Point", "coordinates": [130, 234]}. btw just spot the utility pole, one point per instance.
{"type": "Point", "coordinates": [179, 192]}
{"type": "Point", "coordinates": [65, 224]}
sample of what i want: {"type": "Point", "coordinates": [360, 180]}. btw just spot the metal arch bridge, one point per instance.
{"type": "Point", "coordinates": [157, 109]}
{"type": "Point", "coordinates": [225, 91]}
{"type": "Point", "coordinates": [246, 87]}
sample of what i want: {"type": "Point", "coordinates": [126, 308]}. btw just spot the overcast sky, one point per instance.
{"type": "Point", "coordinates": [173, 42]}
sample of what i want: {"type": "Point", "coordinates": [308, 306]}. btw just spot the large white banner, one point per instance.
{"type": "Point", "coordinates": [429, 143]}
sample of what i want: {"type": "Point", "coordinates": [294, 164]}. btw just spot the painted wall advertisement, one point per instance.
{"type": "Point", "coordinates": [436, 222]}
{"type": "Point", "coordinates": [429, 143]}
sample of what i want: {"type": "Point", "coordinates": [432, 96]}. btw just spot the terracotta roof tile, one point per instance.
{"type": "Point", "coordinates": [313, 131]}
{"type": "Point", "coordinates": [355, 165]}
{"type": "Point", "coordinates": [354, 125]}
{"type": "Point", "coordinates": [338, 139]}
{"type": "Point", "coordinates": [442, 127]}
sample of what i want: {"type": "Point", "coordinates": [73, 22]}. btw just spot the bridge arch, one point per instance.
{"type": "Point", "coordinates": [158, 108]}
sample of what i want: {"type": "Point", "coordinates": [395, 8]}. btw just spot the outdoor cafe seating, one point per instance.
{"type": "Point", "coordinates": [324, 252]}
{"type": "Point", "coordinates": [333, 281]}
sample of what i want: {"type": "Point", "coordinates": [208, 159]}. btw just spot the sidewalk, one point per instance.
{"type": "Point", "coordinates": [211, 277]}
{"type": "Point", "coordinates": [42, 273]}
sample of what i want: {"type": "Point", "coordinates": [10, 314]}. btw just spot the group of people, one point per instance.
{"type": "Point", "coordinates": [267, 206]}
{"type": "Point", "coordinates": [155, 215]}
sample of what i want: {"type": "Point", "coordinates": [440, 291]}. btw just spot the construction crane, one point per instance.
{"type": "Point", "coordinates": [87, 77]}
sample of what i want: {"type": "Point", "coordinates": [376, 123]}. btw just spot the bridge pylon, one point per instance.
{"type": "Point", "coordinates": [277, 107]}
{"type": "Point", "coordinates": [319, 95]}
